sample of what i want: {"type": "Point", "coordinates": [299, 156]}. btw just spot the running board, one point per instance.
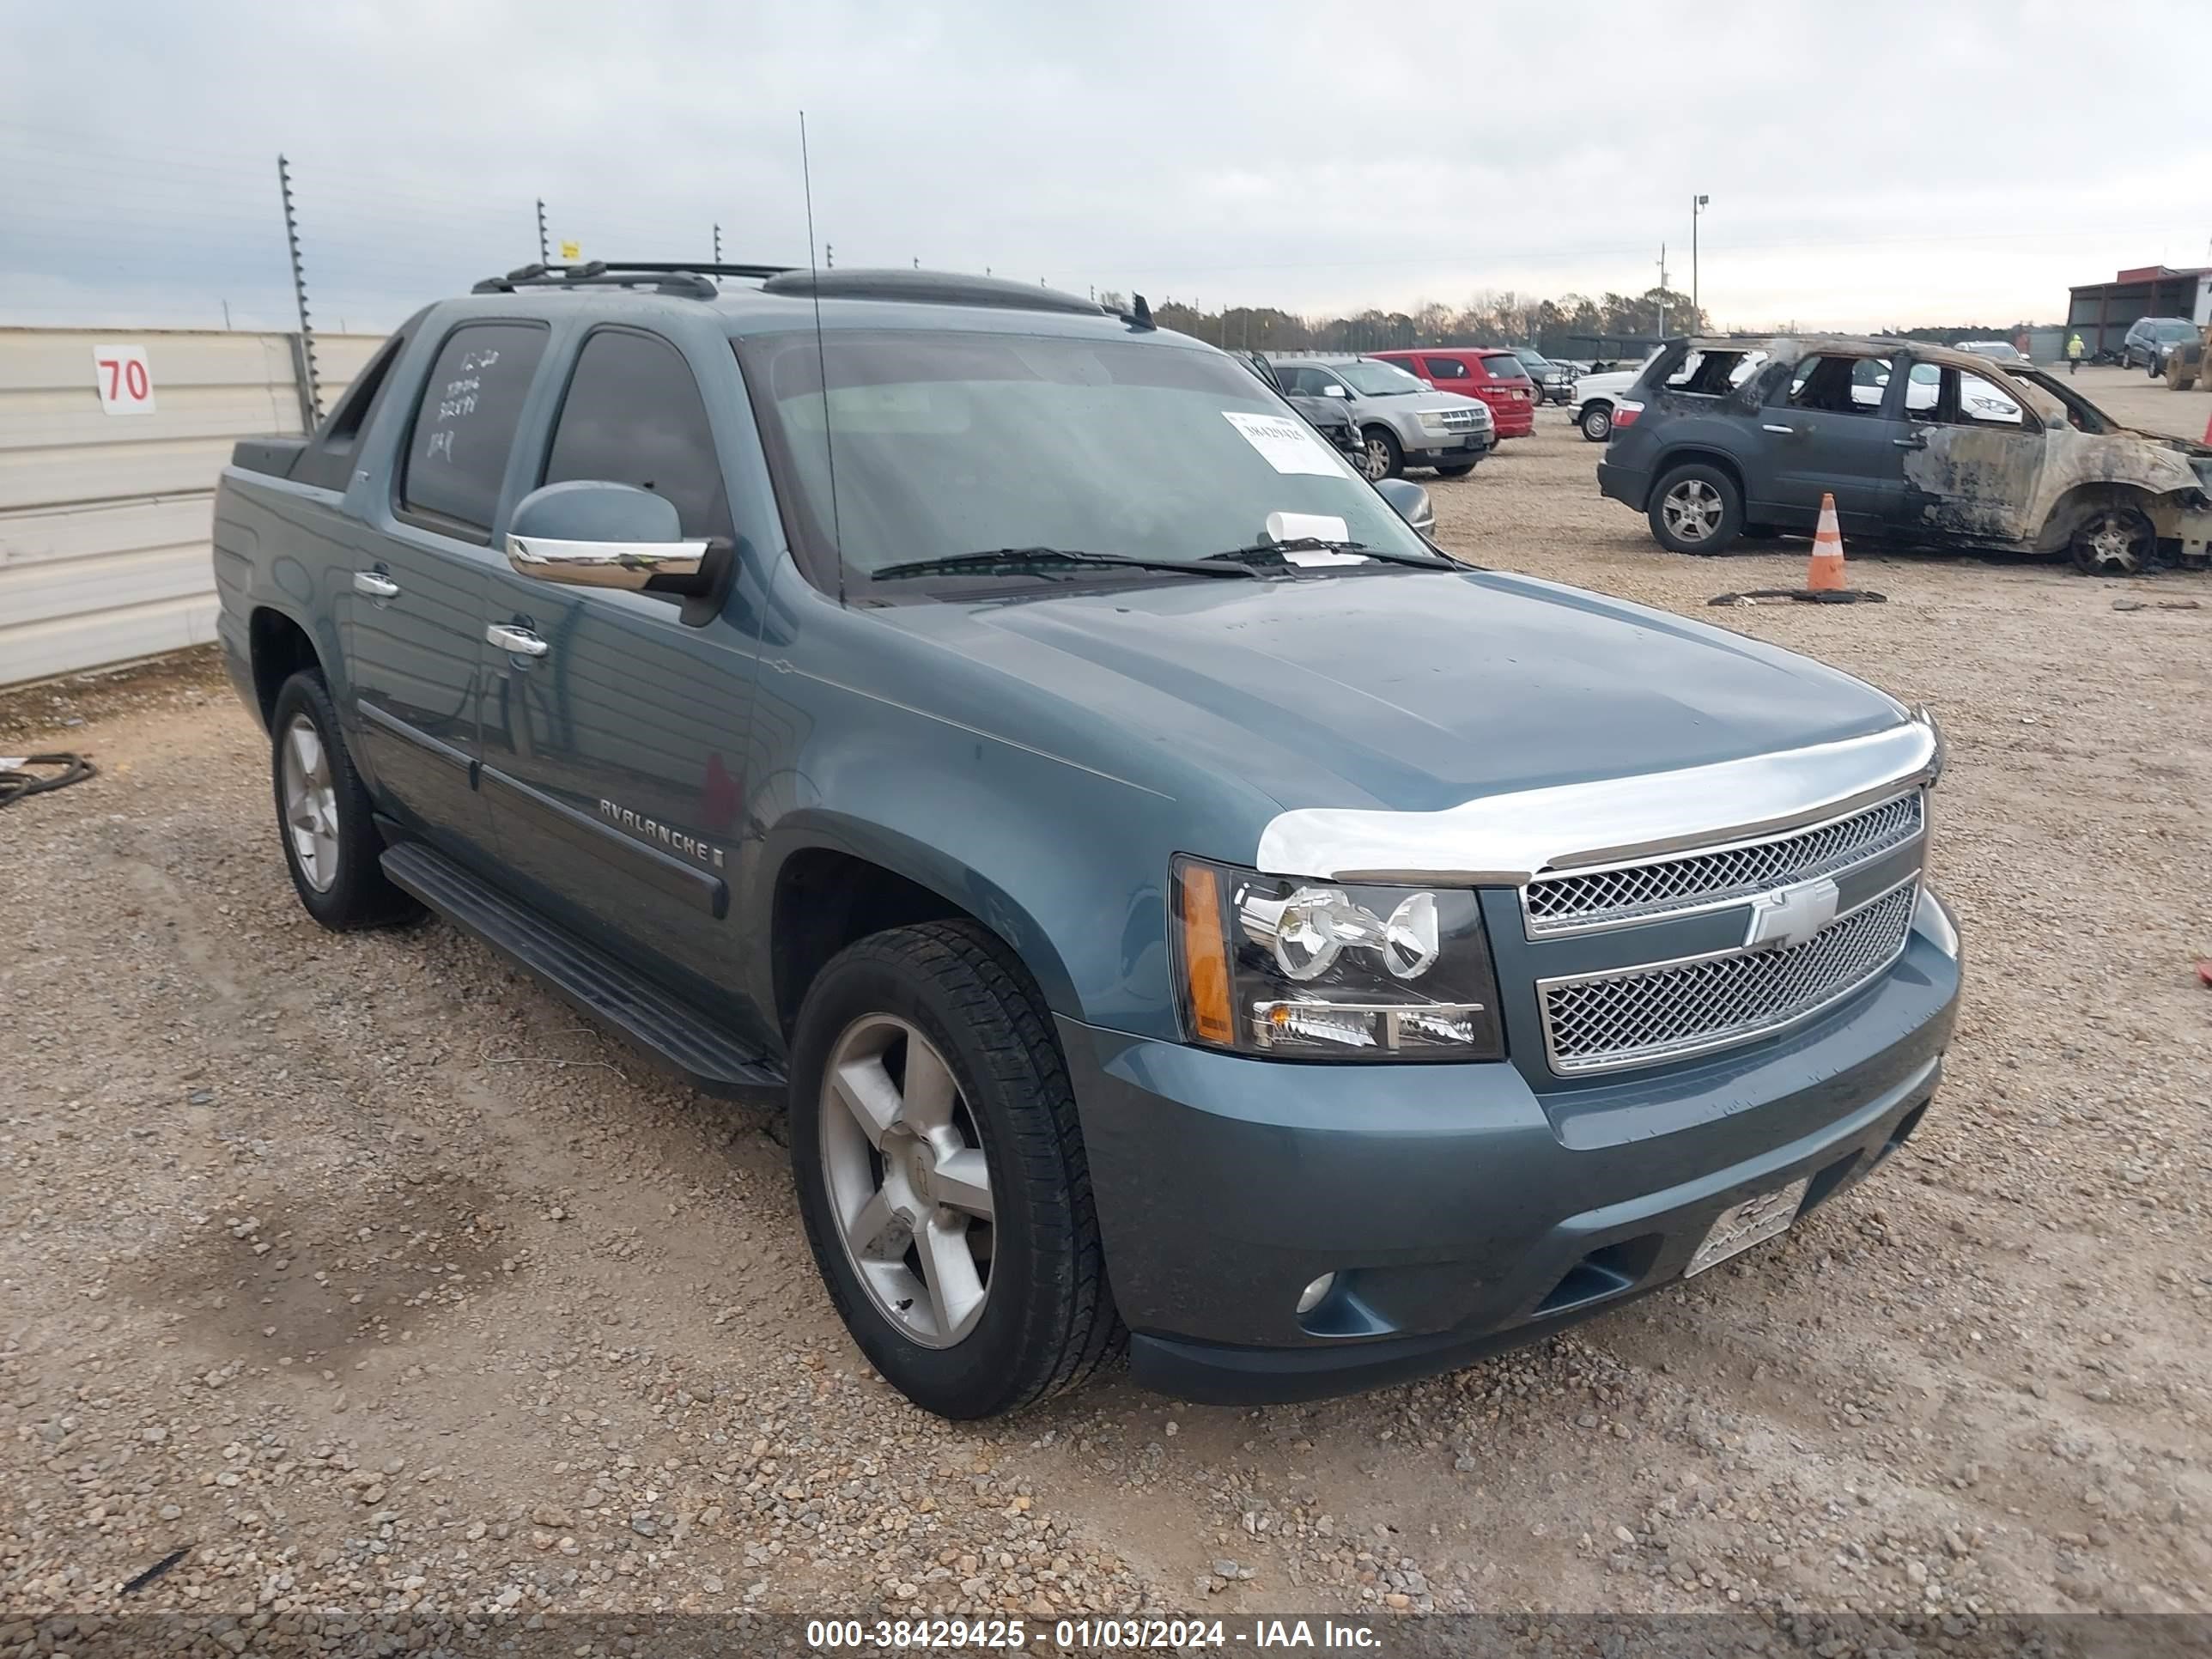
{"type": "Point", "coordinates": [617, 997]}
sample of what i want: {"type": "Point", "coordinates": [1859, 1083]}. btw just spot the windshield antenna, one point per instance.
{"type": "Point", "coordinates": [821, 359]}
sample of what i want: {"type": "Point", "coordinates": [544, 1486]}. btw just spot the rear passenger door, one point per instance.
{"type": "Point", "coordinates": [1831, 425]}
{"type": "Point", "coordinates": [615, 761]}
{"type": "Point", "coordinates": [414, 606]}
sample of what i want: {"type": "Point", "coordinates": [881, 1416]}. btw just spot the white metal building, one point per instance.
{"type": "Point", "coordinates": [107, 474]}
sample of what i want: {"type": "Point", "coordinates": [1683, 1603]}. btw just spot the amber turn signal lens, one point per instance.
{"type": "Point", "coordinates": [1205, 955]}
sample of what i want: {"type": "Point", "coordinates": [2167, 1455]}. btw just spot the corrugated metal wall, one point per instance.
{"type": "Point", "coordinates": [104, 519]}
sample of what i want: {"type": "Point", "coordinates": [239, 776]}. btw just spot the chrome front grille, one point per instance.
{"type": "Point", "coordinates": [1588, 901]}
{"type": "Point", "coordinates": [1667, 1010]}
{"type": "Point", "coordinates": [1455, 418]}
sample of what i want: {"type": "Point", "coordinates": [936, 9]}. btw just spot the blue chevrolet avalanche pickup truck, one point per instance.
{"type": "Point", "coordinates": [1182, 908]}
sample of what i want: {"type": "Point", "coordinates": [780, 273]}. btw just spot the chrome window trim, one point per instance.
{"type": "Point", "coordinates": [1537, 931]}
{"type": "Point", "coordinates": [1660, 1054]}
{"type": "Point", "coordinates": [1506, 840]}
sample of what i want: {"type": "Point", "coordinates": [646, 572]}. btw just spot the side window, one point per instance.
{"type": "Point", "coordinates": [1448, 369]}
{"type": "Point", "coordinates": [1840, 386]}
{"type": "Point", "coordinates": [633, 415]}
{"type": "Point", "coordinates": [464, 427]}
{"type": "Point", "coordinates": [1980, 403]}
{"type": "Point", "coordinates": [328, 462]}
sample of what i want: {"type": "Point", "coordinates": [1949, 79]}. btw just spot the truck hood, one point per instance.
{"type": "Point", "coordinates": [1408, 690]}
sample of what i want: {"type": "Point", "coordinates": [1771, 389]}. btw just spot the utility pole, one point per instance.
{"type": "Point", "coordinates": [828, 257]}
{"type": "Point", "coordinates": [544, 253]}
{"type": "Point", "coordinates": [1663, 290]}
{"type": "Point", "coordinates": [1697, 312]}
{"type": "Point", "coordinates": [718, 244]}
{"type": "Point", "coordinates": [311, 391]}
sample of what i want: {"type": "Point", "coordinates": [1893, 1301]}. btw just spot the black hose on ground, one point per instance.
{"type": "Point", "coordinates": [16, 782]}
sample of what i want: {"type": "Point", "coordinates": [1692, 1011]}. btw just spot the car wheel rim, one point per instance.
{"type": "Point", "coordinates": [1595, 424]}
{"type": "Point", "coordinates": [1693, 510]}
{"type": "Point", "coordinates": [1378, 459]}
{"type": "Point", "coordinates": [311, 804]}
{"type": "Point", "coordinates": [2116, 546]}
{"type": "Point", "coordinates": [909, 1184]}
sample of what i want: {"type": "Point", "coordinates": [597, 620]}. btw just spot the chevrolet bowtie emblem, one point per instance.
{"type": "Point", "coordinates": [1790, 915]}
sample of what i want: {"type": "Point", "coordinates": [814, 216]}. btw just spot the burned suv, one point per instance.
{"type": "Point", "coordinates": [1920, 446]}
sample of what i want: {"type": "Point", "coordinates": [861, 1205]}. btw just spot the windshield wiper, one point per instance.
{"type": "Point", "coordinates": [1272, 555]}
{"type": "Point", "coordinates": [1043, 558]}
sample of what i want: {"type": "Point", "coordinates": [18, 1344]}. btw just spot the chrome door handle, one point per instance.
{"type": "Point", "coordinates": [1910, 443]}
{"type": "Point", "coordinates": [1769, 425]}
{"type": "Point", "coordinates": [519, 640]}
{"type": "Point", "coordinates": [375, 584]}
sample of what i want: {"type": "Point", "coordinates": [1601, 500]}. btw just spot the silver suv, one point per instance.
{"type": "Point", "coordinates": [1404, 423]}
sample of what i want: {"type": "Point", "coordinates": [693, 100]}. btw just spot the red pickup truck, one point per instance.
{"type": "Point", "coordinates": [1495, 377]}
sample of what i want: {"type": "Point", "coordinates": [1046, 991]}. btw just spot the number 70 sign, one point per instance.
{"type": "Point", "coordinates": [126, 387]}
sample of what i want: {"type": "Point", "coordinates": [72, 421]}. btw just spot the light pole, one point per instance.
{"type": "Point", "coordinates": [1697, 207]}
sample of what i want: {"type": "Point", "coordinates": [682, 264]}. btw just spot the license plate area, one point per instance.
{"type": "Point", "coordinates": [1755, 1221]}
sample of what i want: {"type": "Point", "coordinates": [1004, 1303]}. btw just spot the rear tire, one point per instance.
{"type": "Point", "coordinates": [1696, 510]}
{"type": "Point", "coordinates": [1047, 1320]}
{"type": "Point", "coordinates": [1596, 422]}
{"type": "Point", "coordinates": [324, 816]}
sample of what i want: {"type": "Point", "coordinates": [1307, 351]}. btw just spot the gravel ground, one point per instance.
{"type": "Point", "coordinates": [354, 1267]}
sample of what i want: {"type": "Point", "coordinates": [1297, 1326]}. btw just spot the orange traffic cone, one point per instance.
{"type": "Point", "coordinates": [1824, 575]}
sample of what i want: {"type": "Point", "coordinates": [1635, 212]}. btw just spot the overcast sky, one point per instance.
{"type": "Point", "coordinates": [1869, 164]}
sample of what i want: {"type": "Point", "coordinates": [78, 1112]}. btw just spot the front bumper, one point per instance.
{"type": "Point", "coordinates": [1463, 1210]}
{"type": "Point", "coordinates": [1422, 448]}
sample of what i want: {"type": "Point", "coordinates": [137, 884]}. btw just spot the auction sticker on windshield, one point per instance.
{"type": "Point", "coordinates": [1286, 444]}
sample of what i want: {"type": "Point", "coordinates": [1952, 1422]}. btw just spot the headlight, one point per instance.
{"type": "Point", "coordinates": [1330, 970]}
{"type": "Point", "coordinates": [1434, 421]}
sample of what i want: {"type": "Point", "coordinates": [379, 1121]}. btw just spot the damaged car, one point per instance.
{"type": "Point", "coordinates": [1920, 446]}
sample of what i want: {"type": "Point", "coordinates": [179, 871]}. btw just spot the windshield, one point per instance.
{"type": "Point", "coordinates": [1533, 360]}
{"type": "Point", "coordinates": [946, 444]}
{"type": "Point", "coordinates": [2173, 331]}
{"type": "Point", "coordinates": [1376, 380]}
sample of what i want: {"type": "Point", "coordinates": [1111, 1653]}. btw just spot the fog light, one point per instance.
{"type": "Point", "coordinates": [1310, 1297]}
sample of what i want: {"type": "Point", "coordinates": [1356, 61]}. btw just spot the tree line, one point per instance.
{"type": "Point", "coordinates": [1572, 326]}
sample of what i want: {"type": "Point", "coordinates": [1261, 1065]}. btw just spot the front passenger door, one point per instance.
{"type": "Point", "coordinates": [614, 744]}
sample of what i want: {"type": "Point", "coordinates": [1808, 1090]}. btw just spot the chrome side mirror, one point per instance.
{"type": "Point", "coordinates": [591, 533]}
{"type": "Point", "coordinates": [1411, 503]}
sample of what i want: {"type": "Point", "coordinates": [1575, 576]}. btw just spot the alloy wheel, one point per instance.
{"type": "Point", "coordinates": [2117, 542]}
{"type": "Point", "coordinates": [909, 1183]}
{"type": "Point", "coordinates": [1378, 460]}
{"type": "Point", "coordinates": [311, 804]}
{"type": "Point", "coordinates": [1691, 510]}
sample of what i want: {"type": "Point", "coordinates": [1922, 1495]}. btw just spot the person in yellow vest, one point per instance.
{"type": "Point", "coordinates": [2074, 354]}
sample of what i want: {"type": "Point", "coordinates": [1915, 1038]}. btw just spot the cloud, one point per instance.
{"type": "Point", "coordinates": [1868, 164]}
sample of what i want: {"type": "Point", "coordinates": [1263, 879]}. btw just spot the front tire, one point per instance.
{"type": "Point", "coordinates": [1596, 422]}
{"type": "Point", "coordinates": [1456, 470]}
{"type": "Point", "coordinates": [941, 1173]}
{"type": "Point", "coordinates": [1696, 510]}
{"type": "Point", "coordinates": [2115, 541]}
{"type": "Point", "coordinates": [1386, 458]}
{"type": "Point", "coordinates": [324, 816]}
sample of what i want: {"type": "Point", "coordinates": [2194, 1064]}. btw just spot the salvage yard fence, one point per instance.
{"type": "Point", "coordinates": [110, 444]}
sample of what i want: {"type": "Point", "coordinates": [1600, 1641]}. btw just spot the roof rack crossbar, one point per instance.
{"type": "Point", "coordinates": [693, 282]}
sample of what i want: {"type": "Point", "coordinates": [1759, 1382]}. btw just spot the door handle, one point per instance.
{"type": "Point", "coordinates": [1769, 425]}
{"type": "Point", "coordinates": [520, 642]}
{"type": "Point", "coordinates": [1910, 443]}
{"type": "Point", "coordinates": [375, 584]}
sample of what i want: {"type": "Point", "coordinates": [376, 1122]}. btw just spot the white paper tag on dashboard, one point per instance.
{"type": "Point", "coordinates": [1312, 526]}
{"type": "Point", "coordinates": [1286, 442]}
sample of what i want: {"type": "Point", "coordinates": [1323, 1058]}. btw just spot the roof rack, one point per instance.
{"type": "Point", "coordinates": [929, 288]}
{"type": "Point", "coordinates": [692, 282]}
